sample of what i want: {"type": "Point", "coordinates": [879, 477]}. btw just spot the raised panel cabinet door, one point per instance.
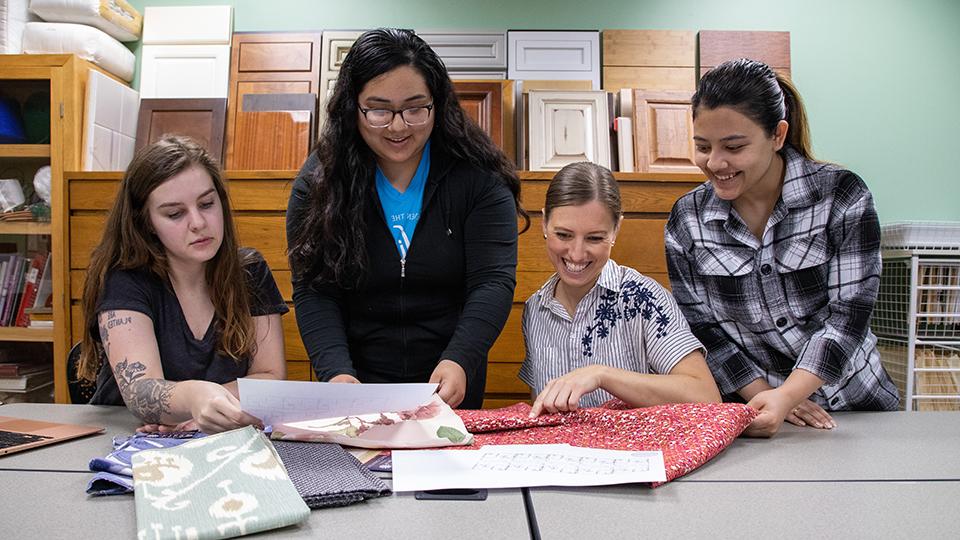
{"type": "Point", "coordinates": [567, 127]}
{"type": "Point", "coordinates": [663, 128]}
{"type": "Point", "coordinates": [334, 48]}
{"type": "Point", "coordinates": [200, 119]}
{"type": "Point", "coordinates": [522, 114]}
{"type": "Point", "coordinates": [554, 55]}
{"type": "Point", "coordinates": [469, 51]}
{"type": "Point", "coordinates": [491, 105]}
{"type": "Point", "coordinates": [184, 71]}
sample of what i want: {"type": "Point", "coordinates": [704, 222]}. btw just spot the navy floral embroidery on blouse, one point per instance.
{"type": "Point", "coordinates": [636, 300]}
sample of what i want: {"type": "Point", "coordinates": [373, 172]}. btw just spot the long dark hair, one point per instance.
{"type": "Point", "coordinates": [127, 244]}
{"type": "Point", "coordinates": [756, 91]}
{"type": "Point", "coordinates": [333, 229]}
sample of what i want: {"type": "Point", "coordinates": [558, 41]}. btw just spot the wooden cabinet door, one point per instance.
{"type": "Point", "coordinates": [265, 63]}
{"type": "Point", "coordinates": [663, 128]}
{"type": "Point", "coordinates": [491, 105]}
{"type": "Point", "coordinates": [567, 127]}
{"type": "Point", "coordinates": [200, 119]}
{"type": "Point", "coordinates": [278, 140]}
{"type": "Point", "coordinates": [649, 60]}
{"type": "Point", "coordinates": [771, 48]}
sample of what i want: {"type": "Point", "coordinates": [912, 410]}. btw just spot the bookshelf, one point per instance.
{"type": "Point", "coordinates": [64, 77]}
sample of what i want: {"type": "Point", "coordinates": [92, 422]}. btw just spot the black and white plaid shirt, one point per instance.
{"type": "Point", "coordinates": [800, 298]}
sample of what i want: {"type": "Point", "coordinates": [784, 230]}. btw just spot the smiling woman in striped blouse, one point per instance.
{"type": "Point", "coordinates": [596, 329]}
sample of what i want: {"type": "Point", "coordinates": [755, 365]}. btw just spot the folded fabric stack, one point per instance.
{"type": "Point", "coordinates": [688, 434]}
{"type": "Point", "coordinates": [114, 473]}
{"type": "Point", "coordinates": [220, 486]}
{"type": "Point", "coordinates": [325, 475]}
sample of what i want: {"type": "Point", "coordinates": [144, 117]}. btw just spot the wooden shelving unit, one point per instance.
{"type": "Point", "coordinates": [14, 333]}
{"type": "Point", "coordinates": [25, 227]}
{"type": "Point", "coordinates": [24, 150]}
{"type": "Point", "coordinates": [64, 76]}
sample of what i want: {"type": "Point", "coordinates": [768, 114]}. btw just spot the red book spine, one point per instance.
{"type": "Point", "coordinates": [34, 275]}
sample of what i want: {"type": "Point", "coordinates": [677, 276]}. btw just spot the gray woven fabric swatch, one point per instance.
{"type": "Point", "coordinates": [325, 475]}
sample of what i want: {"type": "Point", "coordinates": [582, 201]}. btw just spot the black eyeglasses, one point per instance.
{"type": "Point", "coordinates": [413, 116]}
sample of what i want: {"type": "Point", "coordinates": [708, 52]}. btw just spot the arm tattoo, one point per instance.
{"type": "Point", "coordinates": [104, 337]}
{"type": "Point", "coordinates": [149, 399]}
{"type": "Point", "coordinates": [112, 321]}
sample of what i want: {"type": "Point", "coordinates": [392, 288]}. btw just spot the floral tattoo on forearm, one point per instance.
{"type": "Point", "coordinates": [149, 399]}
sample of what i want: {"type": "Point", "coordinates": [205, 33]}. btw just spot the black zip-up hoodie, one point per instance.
{"type": "Point", "coordinates": [449, 298]}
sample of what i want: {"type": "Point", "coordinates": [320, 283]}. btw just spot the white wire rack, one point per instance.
{"type": "Point", "coordinates": [917, 320]}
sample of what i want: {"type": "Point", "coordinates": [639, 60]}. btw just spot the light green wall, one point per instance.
{"type": "Point", "coordinates": [876, 75]}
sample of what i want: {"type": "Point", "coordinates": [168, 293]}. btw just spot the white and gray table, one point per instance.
{"type": "Point", "coordinates": [46, 495]}
{"type": "Point", "coordinates": [877, 475]}
{"type": "Point", "coordinates": [781, 510]}
{"type": "Point", "coordinates": [864, 446]}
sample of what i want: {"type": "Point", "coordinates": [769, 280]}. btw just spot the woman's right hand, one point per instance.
{"type": "Point", "coordinates": [344, 378]}
{"type": "Point", "coordinates": [808, 413]}
{"type": "Point", "coordinates": [215, 409]}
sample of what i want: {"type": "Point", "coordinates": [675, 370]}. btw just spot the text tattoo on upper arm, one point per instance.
{"type": "Point", "coordinates": [111, 322]}
{"type": "Point", "coordinates": [147, 398]}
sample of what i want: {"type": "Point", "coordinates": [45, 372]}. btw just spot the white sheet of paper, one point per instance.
{"type": "Point", "coordinates": [276, 402]}
{"type": "Point", "coordinates": [523, 465]}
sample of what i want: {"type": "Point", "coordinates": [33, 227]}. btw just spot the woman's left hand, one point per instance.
{"type": "Point", "coordinates": [808, 413]}
{"type": "Point", "coordinates": [564, 393]}
{"type": "Point", "coordinates": [451, 381]}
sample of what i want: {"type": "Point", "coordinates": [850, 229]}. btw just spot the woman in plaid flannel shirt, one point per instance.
{"type": "Point", "coordinates": [775, 261]}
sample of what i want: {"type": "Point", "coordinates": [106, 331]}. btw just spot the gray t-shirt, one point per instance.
{"type": "Point", "coordinates": [182, 356]}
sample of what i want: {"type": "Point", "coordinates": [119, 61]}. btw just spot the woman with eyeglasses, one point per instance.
{"type": "Point", "coordinates": [402, 228]}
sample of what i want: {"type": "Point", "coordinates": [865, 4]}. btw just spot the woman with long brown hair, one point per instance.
{"type": "Point", "coordinates": [177, 307]}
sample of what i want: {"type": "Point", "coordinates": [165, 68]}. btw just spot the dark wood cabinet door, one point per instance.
{"type": "Point", "coordinates": [491, 105]}
{"type": "Point", "coordinates": [201, 119]}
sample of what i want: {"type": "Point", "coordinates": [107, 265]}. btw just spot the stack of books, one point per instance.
{"type": "Point", "coordinates": [25, 285]}
{"type": "Point", "coordinates": [25, 380]}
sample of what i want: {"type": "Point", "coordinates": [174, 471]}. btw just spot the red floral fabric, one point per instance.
{"type": "Point", "coordinates": [688, 434]}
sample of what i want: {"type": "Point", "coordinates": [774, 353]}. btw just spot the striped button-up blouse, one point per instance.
{"type": "Point", "coordinates": [627, 320]}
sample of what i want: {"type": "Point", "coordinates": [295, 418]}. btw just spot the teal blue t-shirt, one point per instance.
{"type": "Point", "coordinates": [402, 210]}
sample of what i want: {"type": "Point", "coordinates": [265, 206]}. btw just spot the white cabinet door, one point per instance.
{"type": "Point", "coordinates": [469, 51]}
{"type": "Point", "coordinates": [187, 25]}
{"type": "Point", "coordinates": [567, 127]}
{"type": "Point", "coordinates": [185, 71]}
{"type": "Point", "coordinates": [570, 55]}
{"type": "Point", "coordinates": [333, 49]}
